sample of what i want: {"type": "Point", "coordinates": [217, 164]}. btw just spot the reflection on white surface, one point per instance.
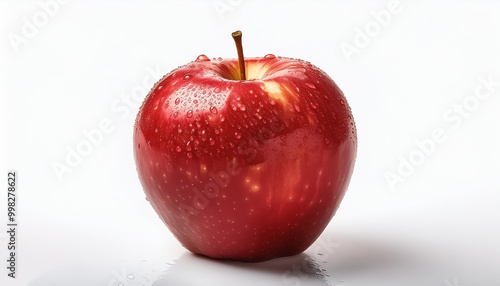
{"type": "Point", "coordinates": [191, 269]}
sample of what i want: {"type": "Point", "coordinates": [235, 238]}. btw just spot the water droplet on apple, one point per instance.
{"type": "Point", "coordinates": [189, 155]}
{"type": "Point", "coordinates": [175, 114]}
{"type": "Point", "coordinates": [216, 90]}
{"type": "Point", "coordinates": [342, 102]}
{"type": "Point", "coordinates": [130, 276]}
{"type": "Point", "coordinates": [160, 87]}
{"type": "Point", "coordinates": [178, 149]}
{"type": "Point", "coordinates": [187, 76]}
{"type": "Point", "coordinates": [156, 130]}
{"type": "Point", "coordinates": [313, 105]}
{"type": "Point", "coordinates": [272, 102]}
{"type": "Point", "coordinates": [179, 130]}
{"type": "Point", "coordinates": [219, 59]}
{"type": "Point", "coordinates": [188, 146]}
{"type": "Point", "coordinates": [212, 141]}
{"type": "Point", "coordinates": [310, 85]}
{"type": "Point", "coordinates": [242, 107]}
{"type": "Point", "coordinates": [327, 141]}
{"type": "Point", "coordinates": [269, 56]}
{"type": "Point", "coordinates": [297, 108]}
{"type": "Point", "coordinates": [195, 101]}
{"type": "Point", "coordinates": [202, 58]}
{"type": "Point", "coordinates": [177, 101]}
{"type": "Point", "coordinates": [237, 135]}
{"type": "Point", "coordinates": [189, 114]}
{"type": "Point", "coordinates": [213, 110]}
{"type": "Point", "coordinates": [203, 91]}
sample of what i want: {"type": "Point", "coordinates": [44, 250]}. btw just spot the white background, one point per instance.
{"type": "Point", "coordinates": [439, 225]}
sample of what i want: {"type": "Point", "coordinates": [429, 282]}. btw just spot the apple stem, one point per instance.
{"type": "Point", "coordinates": [239, 47]}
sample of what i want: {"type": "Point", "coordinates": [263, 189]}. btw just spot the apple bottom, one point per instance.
{"type": "Point", "coordinates": [252, 211]}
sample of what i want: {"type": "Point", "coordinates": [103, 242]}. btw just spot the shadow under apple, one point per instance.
{"type": "Point", "coordinates": [191, 269]}
{"type": "Point", "coordinates": [334, 259]}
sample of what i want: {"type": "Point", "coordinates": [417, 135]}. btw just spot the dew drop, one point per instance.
{"type": "Point", "coordinates": [213, 110]}
{"type": "Point", "coordinates": [178, 149]}
{"type": "Point", "coordinates": [130, 276]}
{"type": "Point", "coordinates": [297, 108]}
{"type": "Point", "coordinates": [160, 87]}
{"type": "Point", "coordinates": [237, 135]}
{"type": "Point", "coordinates": [242, 108]}
{"type": "Point", "coordinates": [216, 90]}
{"type": "Point", "coordinates": [175, 114]}
{"type": "Point", "coordinates": [219, 59]}
{"type": "Point", "coordinates": [202, 58]}
{"type": "Point", "coordinates": [179, 130]}
{"type": "Point", "coordinates": [269, 56]}
{"type": "Point", "coordinates": [272, 102]}
{"type": "Point", "coordinates": [189, 155]}
{"type": "Point", "coordinates": [177, 101]}
{"type": "Point", "coordinates": [188, 146]}
{"type": "Point", "coordinates": [156, 130]}
{"type": "Point", "coordinates": [195, 101]}
{"type": "Point", "coordinates": [189, 114]}
{"type": "Point", "coordinates": [313, 105]}
{"type": "Point", "coordinates": [342, 102]}
{"type": "Point", "coordinates": [310, 85]}
{"type": "Point", "coordinates": [187, 76]}
{"type": "Point", "coordinates": [212, 141]}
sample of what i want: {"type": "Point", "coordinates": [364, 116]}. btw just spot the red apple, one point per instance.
{"type": "Point", "coordinates": [245, 165]}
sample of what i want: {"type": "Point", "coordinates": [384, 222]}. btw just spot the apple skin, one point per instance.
{"type": "Point", "coordinates": [246, 170]}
